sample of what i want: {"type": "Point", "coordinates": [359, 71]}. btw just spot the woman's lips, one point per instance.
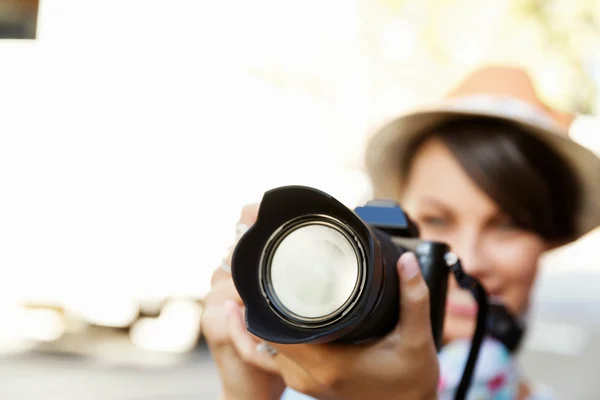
{"type": "Point", "coordinates": [462, 310]}
{"type": "Point", "coordinates": [461, 304]}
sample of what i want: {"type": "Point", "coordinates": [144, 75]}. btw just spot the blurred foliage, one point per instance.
{"type": "Point", "coordinates": [381, 56]}
{"type": "Point", "coordinates": [558, 41]}
{"type": "Point", "coordinates": [570, 29]}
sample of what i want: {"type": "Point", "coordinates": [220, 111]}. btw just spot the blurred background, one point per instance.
{"type": "Point", "coordinates": [133, 132]}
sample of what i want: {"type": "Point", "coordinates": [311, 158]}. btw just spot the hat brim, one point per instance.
{"type": "Point", "coordinates": [389, 145]}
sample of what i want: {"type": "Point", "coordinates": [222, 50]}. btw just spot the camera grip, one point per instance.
{"type": "Point", "coordinates": [431, 258]}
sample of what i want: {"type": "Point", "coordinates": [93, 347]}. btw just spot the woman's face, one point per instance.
{"type": "Point", "coordinates": [449, 207]}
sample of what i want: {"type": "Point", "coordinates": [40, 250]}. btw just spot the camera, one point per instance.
{"type": "Point", "coordinates": [311, 270]}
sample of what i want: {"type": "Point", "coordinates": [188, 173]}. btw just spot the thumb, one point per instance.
{"type": "Point", "coordinates": [415, 321]}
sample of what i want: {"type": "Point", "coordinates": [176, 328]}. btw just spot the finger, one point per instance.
{"type": "Point", "coordinates": [223, 291]}
{"type": "Point", "coordinates": [247, 219]}
{"type": "Point", "coordinates": [324, 363]}
{"type": "Point", "coordinates": [310, 356]}
{"type": "Point", "coordinates": [318, 369]}
{"type": "Point", "coordinates": [414, 323]}
{"type": "Point", "coordinates": [297, 377]}
{"type": "Point", "coordinates": [219, 275]}
{"type": "Point", "coordinates": [244, 342]}
{"type": "Point", "coordinates": [223, 271]}
{"type": "Point", "coordinates": [214, 325]}
{"type": "Point", "coordinates": [249, 214]}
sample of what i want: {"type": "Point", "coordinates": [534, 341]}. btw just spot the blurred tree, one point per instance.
{"type": "Point", "coordinates": [404, 52]}
{"type": "Point", "coordinates": [571, 30]}
{"type": "Point", "coordinates": [557, 40]}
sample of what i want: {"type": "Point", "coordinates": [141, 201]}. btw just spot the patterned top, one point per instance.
{"type": "Point", "coordinates": [496, 376]}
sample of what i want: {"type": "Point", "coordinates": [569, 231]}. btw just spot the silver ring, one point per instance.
{"type": "Point", "coordinates": [266, 348]}
{"type": "Point", "coordinates": [225, 266]}
{"type": "Point", "coordinates": [240, 230]}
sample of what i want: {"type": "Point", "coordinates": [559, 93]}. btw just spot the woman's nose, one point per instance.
{"type": "Point", "coordinates": [468, 248]}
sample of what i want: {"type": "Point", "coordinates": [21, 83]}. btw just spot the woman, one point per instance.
{"type": "Point", "coordinates": [489, 171]}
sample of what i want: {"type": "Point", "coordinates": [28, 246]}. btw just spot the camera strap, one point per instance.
{"type": "Point", "coordinates": [504, 326]}
{"type": "Point", "coordinates": [467, 282]}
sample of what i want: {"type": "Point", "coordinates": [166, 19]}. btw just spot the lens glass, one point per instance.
{"type": "Point", "coordinates": [314, 271]}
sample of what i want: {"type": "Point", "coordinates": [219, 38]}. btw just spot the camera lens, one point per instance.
{"type": "Point", "coordinates": [312, 271]}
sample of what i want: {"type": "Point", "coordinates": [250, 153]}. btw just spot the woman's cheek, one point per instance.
{"type": "Point", "coordinates": [515, 268]}
{"type": "Point", "coordinates": [516, 260]}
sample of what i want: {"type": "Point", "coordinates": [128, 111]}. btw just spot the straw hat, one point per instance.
{"type": "Point", "coordinates": [505, 93]}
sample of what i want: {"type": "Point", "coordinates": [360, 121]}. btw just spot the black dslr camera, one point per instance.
{"type": "Point", "coordinates": [313, 271]}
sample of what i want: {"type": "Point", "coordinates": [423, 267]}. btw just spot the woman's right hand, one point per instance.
{"type": "Point", "coordinates": [246, 373]}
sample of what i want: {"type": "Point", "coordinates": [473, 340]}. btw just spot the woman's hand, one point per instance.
{"type": "Point", "coordinates": [246, 374]}
{"type": "Point", "coordinates": [403, 365]}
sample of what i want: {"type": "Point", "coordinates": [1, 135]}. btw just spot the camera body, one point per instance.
{"type": "Point", "coordinates": [391, 224]}
{"type": "Point", "coordinates": [275, 265]}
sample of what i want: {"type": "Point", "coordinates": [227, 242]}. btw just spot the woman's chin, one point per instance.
{"type": "Point", "coordinates": [456, 328]}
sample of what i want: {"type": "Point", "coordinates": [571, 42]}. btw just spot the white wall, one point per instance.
{"type": "Point", "coordinates": [132, 135]}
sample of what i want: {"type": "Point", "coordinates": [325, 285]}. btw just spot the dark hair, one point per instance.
{"type": "Point", "coordinates": [528, 180]}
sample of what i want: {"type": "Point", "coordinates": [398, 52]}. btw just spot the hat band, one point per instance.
{"type": "Point", "coordinates": [505, 107]}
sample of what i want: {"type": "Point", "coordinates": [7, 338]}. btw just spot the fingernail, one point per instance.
{"type": "Point", "coordinates": [230, 307]}
{"type": "Point", "coordinates": [410, 266]}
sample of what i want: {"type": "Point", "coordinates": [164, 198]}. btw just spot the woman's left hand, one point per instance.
{"type": "Point", "coordinates": [402, 365]}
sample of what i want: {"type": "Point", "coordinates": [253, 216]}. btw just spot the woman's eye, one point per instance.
{"type": "Point", "coordinates": [505, 225]}
{"type": "Point", "coordinates": [434, 221]}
